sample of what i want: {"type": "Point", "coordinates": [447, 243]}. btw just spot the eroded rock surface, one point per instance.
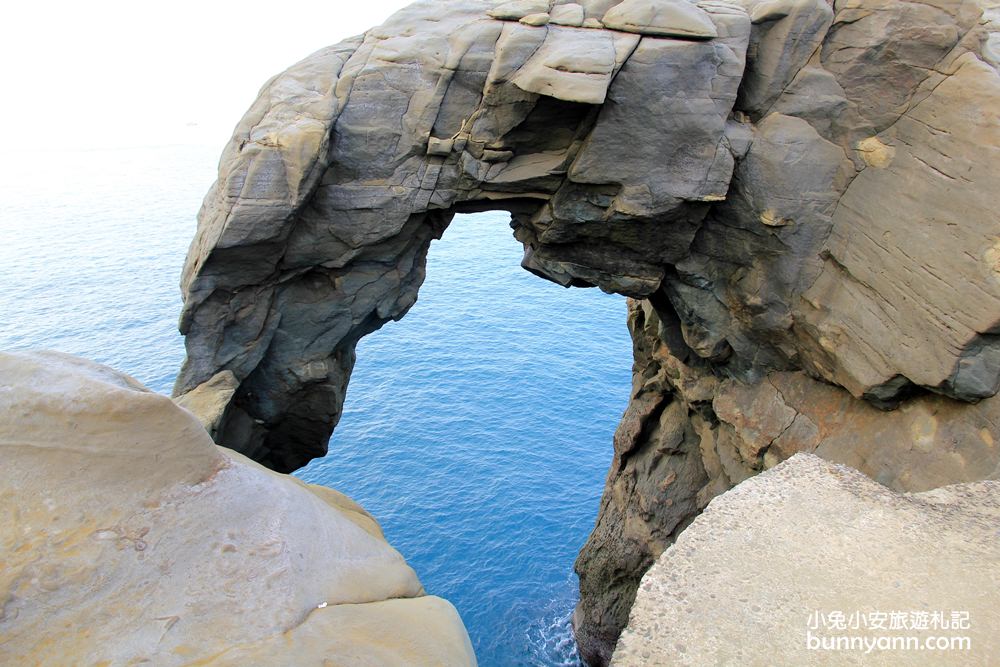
{"type": "Point", "coordinates": [689, 434]}
{"type": "Point", "coordinates": [798, 194]}
{"type": "Point", "coordinates": [129, 537]}
{"type": "Point", "coordinates": [779, 557]}
{"type": "Point", "coordinates": [606, 146]}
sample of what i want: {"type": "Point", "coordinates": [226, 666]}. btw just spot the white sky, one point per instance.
{"type": "Point", "coordinates": [112, 73]}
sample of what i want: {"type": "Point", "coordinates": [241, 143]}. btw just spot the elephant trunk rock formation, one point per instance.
{"type": "Point", "coordinates": [797, 195]}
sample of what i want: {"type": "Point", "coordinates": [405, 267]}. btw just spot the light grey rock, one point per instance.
{"type": "Point", "coordinates": [991, 50]}
{"type": "Point", "coordinates": [539, 19]}
{"type": "Point", "coordinates": [662, 18]}
{"type": "Point", "coordinates": [885, 280]}
{"type": "Point", "coordinates": [902, 44]}
{"type": "Point", "coordinates": [990, 39]}
{"type": "Point", "coordinates": [782, 554]}
{"type": "Point", "coordinates": [570, 14]}
{"type": "Point", "coordinates": [596, 9]}
{"type": "Point", "coordinates": [518, 9]}
{"type": "Point", "coordinates": [673, 153]}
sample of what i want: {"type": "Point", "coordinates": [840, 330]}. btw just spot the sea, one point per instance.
{"type": "Point", "coordinates": [477, 430]}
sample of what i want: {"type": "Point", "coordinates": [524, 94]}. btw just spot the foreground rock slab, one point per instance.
{"type": "Point", "coordinates": [764, 574]}
{"type": "Point", "coordinates": [128, 537]}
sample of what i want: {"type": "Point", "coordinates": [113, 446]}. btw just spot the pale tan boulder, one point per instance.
{"type": "Point", "coordinates": [746, 583]}
{"type": "Point", "coordinates": [208, 401]}
{"type": "Point", "coordinates": [397, 633]}
{"type": "Point", "coordinates": [127, 536]}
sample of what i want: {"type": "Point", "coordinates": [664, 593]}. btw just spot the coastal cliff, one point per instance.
{"type": "Point", "coordinates": [131, 538]}
{"type": "Point", "coordinates": [797, 196]}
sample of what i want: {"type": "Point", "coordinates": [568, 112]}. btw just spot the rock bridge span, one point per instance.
{"type": "Point", "coordinates": [352, 161]}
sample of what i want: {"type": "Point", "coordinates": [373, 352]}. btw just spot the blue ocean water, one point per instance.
{"type": "Point", "coordinates": [477, 430]}
{"type": "Point", "coordinates": [91, 248]}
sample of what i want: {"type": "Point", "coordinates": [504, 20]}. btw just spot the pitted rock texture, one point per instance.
{"type": "Point", "coordinates": [779, 557]}
{"type": "Point", "coordinates": [128, 537]}
{"type": "Point", "coordinates": [797, 191]}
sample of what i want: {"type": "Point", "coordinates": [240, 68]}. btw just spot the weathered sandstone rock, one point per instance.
{"type": "Point", "coordinates": [575, 65]}
{"type": "Point", "coordinates": [689, 435]}
{"type": "Point", "coordinates": [353, 160]}
{"type": "Point", "coordinates": [876, 263]}
{"type": "Point", "coordinates": [128, 536]}
{"type": "Point", "coordinates": [208, 401]}
{"type": "Point", "coordinates": [785, 555]}
{"type": "Point", "coordinates": [799, 193]}
{"type": "Point", "coordinates": [665, 18]}
{"type": "Point", "coordinates": [518, 9]}
{"type": "Point", "coordinates": [570, 14]}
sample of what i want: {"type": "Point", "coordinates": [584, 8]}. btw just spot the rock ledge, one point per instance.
{"type": "Point", "coordinates": [744, 582]}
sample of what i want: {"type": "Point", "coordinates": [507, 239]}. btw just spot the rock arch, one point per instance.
{"type": "Point", "coordinates": [353, 160]}
{"type": "Point", "coordinates": [801, 198]}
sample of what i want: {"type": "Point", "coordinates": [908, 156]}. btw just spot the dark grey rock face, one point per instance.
{"type": "Point", "coordinates": [607, 147]}
{"type": "Point", "coordinates": [799, 196]}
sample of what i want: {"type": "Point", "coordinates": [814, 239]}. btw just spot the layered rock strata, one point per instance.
{"type": "Point", "coordinates": [843, 572]}
{"type": "Point", "coordinates": [606, 146]}
{"type": "Point", "coordinates": [797, 194]}
{"type": "Point", "coordinates": [128, 537]}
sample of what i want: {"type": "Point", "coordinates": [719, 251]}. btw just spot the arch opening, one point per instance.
{"type": "Point", "coordinates": [478, 432]}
